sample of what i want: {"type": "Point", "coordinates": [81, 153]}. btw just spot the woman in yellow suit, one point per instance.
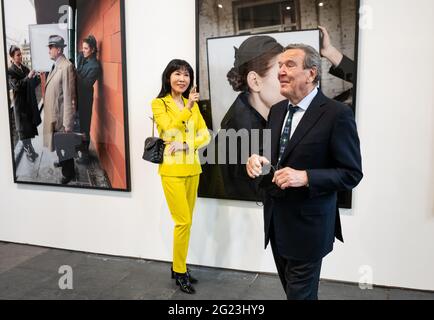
{"type": "Point", "coordinates": [181, 125]}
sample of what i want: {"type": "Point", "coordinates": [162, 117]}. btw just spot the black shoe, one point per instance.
{"type": "Point", "coordinates": [56, 164]}
{"type": "Point", "coordinates": [184, 283]}
{"type": "Point", "coordinates": [190, 277]}
{"type": "Point", "coordinates": [83, 160]}
{"type": "Point", "coordinates": [66, 180]}
{"type": "Point", "coordinates": [34, 154]}
{"type": "Point", "coordinates": [30, 153]}
{"type": "Point", "coordinates": [30, 157]}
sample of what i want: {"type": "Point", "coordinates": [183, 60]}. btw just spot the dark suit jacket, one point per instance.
{"type": "Point", "coordinates": [326, 145]}
{"type": "Point", "coordinates": [240, 116]}
{"type": "Point", "coordinates": [27, 117]}
{"type": "Point", "coordinates": [226, 180]}
{"type": "Point", "coordinates": [88, 72]}
{"type": "Point", "coordinates": [345, 69]}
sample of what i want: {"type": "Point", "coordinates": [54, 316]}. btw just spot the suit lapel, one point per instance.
{"type": "Point", "coordinates": [56, 68]}
{"type": "Point", "coordinates": [171, 104]}
{"type": "Point", "coordinates": [310, 118]}
{"type": "Point", "coordinates": [51, 75]}
{"type": "Point", "coordinates": [279, 112]}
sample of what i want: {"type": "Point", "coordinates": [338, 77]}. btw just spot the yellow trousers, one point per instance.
{"type": "Point", "coordinates": [181, 194]}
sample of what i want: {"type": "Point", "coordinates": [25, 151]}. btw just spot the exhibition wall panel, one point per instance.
{"type": "Point", "coordinates": [388, 234]}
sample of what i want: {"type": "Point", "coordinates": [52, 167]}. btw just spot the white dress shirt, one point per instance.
{"type": "Point", "coordinates": [303, 106]}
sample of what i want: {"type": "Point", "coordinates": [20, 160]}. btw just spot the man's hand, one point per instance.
{"type": "Point", "coordinates": [254, 165]}
{"type": "Point", "coordinates": [290, 178]}
{"type": "Point", "coordinates": [65, 130]}
{"type": "Point", "coordinates": [31, 74]}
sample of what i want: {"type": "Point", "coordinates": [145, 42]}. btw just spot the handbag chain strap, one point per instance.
{"type": "Point", "coordinates": [153, 120]}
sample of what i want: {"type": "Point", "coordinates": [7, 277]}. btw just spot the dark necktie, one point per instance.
{"type": "Point", "coordinates": [52, 68]}
{"type": "Point", "coordinates": [286, 135]}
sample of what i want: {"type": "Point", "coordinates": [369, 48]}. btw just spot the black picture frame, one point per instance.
{"type": "Point", "coordinates": [127, 174]}
{"type": "Point", "coordinates": [345, 199]}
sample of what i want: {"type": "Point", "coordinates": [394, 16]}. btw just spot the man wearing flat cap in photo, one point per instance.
{"type": "Point", "coordinates": [60, 102]}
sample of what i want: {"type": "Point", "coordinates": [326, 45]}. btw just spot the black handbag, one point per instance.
{"type": "Point", "coordinates": [154, 148]}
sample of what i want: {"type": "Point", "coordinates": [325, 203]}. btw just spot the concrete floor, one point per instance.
{"type": "Point", "coordinates": [29, 273]}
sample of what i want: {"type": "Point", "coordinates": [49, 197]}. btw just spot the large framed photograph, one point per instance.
{"type": "Point", "coordinates": [67, 85]}
{"type": "Point", "coordinates": [236, 37]}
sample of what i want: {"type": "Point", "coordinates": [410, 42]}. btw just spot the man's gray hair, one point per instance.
{"type": "Point", "coordinates": [312, 58]}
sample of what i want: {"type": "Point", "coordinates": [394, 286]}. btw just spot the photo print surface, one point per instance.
{"type": "Point", "coordinates": [229, 29]}
{"type": "Point", "coordinates": [66, 82]}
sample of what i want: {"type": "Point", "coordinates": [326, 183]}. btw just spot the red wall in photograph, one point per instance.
{"type": "Point", "coordinates": [102, 18]}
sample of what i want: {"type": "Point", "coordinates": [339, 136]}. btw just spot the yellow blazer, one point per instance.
{"type": "Point", "coordinates": [182, 126]}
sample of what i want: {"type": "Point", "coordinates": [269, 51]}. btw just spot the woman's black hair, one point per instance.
{"type": "Point", "coordinates": [173, 66]}
{"type": "Point", "coordinates": [12, 50]}
{"type": "Point", "coordinates": [91, 41]}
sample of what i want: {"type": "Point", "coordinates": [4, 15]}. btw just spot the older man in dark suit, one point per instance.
{"type": "Point", "coordinates": [315, 154]}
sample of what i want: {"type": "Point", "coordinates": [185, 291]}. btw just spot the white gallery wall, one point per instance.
{"type": "Point", "coordinates": [390, 229]}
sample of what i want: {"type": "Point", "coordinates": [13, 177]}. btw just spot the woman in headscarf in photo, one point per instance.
{"type": "Point", "coordinates": [23, 83]}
